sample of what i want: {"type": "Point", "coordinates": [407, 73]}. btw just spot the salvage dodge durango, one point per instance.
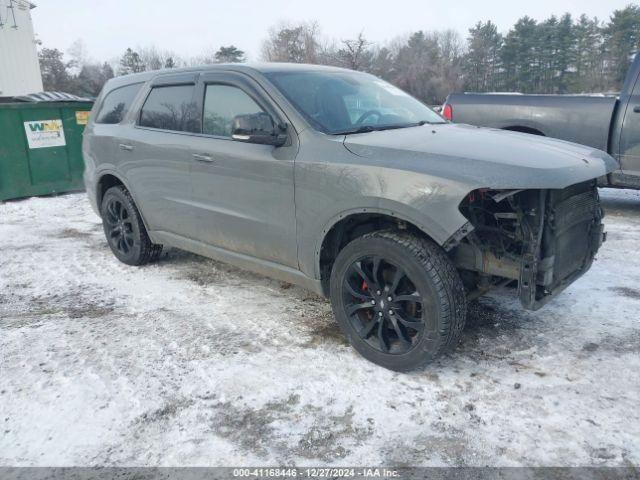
{"type": "Point", "coordinates": [344, 184]}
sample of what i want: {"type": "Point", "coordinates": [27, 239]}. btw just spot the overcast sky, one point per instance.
{"type": "Point", "coordinates": [190, 27]}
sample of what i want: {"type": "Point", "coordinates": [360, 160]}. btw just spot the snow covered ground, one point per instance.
{"type": "Point", "coordinates": [191, 362]}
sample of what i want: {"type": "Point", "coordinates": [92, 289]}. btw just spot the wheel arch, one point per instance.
{"type": "Point", "coordinates": [355, 223]}
{"type": "Point", "coordinates": [524, 129]}
{"type": "Point", "coordinates": [105, 182]}
{"type": "Point", "coordinates": [108, 179]}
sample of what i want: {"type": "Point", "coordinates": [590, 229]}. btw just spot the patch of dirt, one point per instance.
{"type": "Point", "coordinates": [206, 272]}
{"type": "Point", "coordinates": [627, 292]}
{"type": "Point", "coordinates": [451, 447]}
{"type": "Point", "coordinates": [221, 341]}
{"type": "Point", "coordinates": [73, 233]}
{"type": "Point", "coordinates": [628, 342]}
{"type": "Point", "coordinates": [319, 325]}
{"type": "Point", "coordinates": [258, 430]}
{"type": "Point", "coordinates": [603, 454]}
{"type": "Point", "coordinates": [170, 410]}
{"type": "Point", "coordinates": [31, 247]}
{"type": "Point", "coordinates": [494, 330]}
{"type": "Point", "coordinates": [252, 429]}
{"type": "Point", "coordinates": [323, 332]}
{"type": "Point", "coordinates": [24, 310]}
{"type": "Point", "coordinates": [323, 441]}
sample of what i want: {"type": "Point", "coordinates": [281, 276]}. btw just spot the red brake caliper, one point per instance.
{"type": "Point", "coordinates": [364, 289]}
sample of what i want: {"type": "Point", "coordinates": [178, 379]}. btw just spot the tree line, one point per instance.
{"type": "Point", "coordinates": [556, 55]}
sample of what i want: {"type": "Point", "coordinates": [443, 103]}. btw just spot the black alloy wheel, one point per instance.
{"type": "Point", "coordinates": [119, 226]}
{"type": "Point", "coordinates": [124, 229]}
{"type": "Point", "coordinates": [383, 304]}
{"type": "Point", "coordinates": [398, 298]}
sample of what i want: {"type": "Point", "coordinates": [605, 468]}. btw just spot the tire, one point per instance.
{"type": "Point", "coordinates": [123, 227]}
{"type": "Point", "coordinates": [427, 310]}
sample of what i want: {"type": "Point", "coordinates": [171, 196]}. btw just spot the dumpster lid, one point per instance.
{"type": "Point", "coordinates": [51, 97]}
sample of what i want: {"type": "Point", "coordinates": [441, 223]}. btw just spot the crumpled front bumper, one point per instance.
{"type": "Point", "coordinates": [563, 239]}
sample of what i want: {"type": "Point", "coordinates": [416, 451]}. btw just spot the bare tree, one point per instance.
{"type": "Point", "coordinates": [428, 65]}
{"type": "Point", "coordinates": [293, 43]}
{"type": "Point", "coordinates": [154, 58]}
{"type": "Point", "coordinates": [78, 55]}
{"type": "Point", "coordinates": [356, 54]}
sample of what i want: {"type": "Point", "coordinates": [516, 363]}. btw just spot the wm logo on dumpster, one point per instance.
{"type": "Point", "coordinates": [44, 133]}
{"type": "Point", "coordinates": [50, 126]}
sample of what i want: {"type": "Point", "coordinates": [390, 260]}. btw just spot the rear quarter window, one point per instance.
{"type": "Point", "coordinates": [116, 103]}
{"type": "Point", "coordinates": [171, 108]}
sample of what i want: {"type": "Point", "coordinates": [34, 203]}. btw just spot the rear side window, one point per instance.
{"type": "Point", "coordinates": [171, 108]}
{"type": "Point", "coordinates": [116, 104]}
{"type": "Point", "coordinates": [221, 104]}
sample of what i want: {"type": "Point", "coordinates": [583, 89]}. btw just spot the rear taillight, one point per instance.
{"type": "Point", "coordinates": [447, 111]}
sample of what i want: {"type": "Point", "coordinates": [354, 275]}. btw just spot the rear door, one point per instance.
{"type": "Point", "coordinates": [102, 133]}
{"type": "Point", "coordinates": [243, 192]}
{"type": "Point", "coordinates": [155, 153]}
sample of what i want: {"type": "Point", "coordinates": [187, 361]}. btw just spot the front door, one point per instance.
{"type": "Point", "coordinates": [243, 192]}
{"type": "Point", "coordinates": [629, 154]}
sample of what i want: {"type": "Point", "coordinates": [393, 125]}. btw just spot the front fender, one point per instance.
{"type": "Point", "coordinates": [432, 226]}
{"type": "Point", "coordinates": [327, 191]}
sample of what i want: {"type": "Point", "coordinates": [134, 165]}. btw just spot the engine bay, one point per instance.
{"type": "Point", "coordinates": [540, 240]}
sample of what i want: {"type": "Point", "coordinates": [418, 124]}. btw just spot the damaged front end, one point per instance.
{"type": "Point", "coordinates": [542, 239]}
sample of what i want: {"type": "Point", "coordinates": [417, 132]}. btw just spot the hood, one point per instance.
{"type": "Point", "coordinates": [482, 157]}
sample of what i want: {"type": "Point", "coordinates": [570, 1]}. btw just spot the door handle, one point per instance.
{"type": "Point", "coordinates": [202, 157]}
{"type": "Point", "coordinates": [124, 146]}
{"type": "Point", "coordinates": [636, 109]}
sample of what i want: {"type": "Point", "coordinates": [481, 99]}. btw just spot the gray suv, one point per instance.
{"type": "Point", "coordinates": [340, 182]}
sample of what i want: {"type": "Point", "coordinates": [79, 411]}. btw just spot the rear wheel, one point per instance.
{"type": "Point", "coordinates": [124, 229]}
{"type": "Point", "coordinates": [397, 298]}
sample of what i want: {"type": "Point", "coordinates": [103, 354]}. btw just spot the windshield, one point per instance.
{"type": "Point", "coordinates": [350, 102]}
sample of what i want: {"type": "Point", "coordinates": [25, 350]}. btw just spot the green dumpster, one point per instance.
{"type": "Point", "coordinates": [41, 147]}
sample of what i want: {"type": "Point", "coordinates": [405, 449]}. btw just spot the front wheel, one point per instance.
{"type": "Point", "coordinates": [397, 298]}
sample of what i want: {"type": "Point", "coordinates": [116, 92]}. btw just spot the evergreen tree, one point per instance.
{"type": "Point", "coordinates": [589, 73]}
{"type": "Point", "coordinates": [55, 76]}
{"type": "Point", "coordinates": [481, 64]}
{"type": "Point", "coordinates": [519, 56]}
{"type": "Point", "coordinates": [565, 54]}
{"type": "Point", "coordinates": [131, 63]}
{"type": "Point", "coordinates": [622, 39]}
{"type": "Point", "coordinates": [230, 54]}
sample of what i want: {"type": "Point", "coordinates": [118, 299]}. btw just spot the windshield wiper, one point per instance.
{"type": "Point", "coordinates": [373, 128]}
{"type": "Point", "coordinates": [362, 129]}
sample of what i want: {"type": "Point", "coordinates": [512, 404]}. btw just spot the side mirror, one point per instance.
{"type": "Point", "coordinates": [257, 128]}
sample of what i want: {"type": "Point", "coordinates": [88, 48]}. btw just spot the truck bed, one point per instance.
{"type": "Point", "coordinates": [584, 119]}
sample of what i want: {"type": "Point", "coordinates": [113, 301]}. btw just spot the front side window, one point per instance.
{"type": "Point", "coordinates": [221, 104]}
{"type": "Point", "coordinates": [337, 102]}
{"type": "Point", "coordinates": [171, 108]}
{"type": "Point", "coordinates": [117, 103]}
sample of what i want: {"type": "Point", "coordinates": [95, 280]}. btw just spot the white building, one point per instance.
{"type": "Point", "coordinates": [19, 67]}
